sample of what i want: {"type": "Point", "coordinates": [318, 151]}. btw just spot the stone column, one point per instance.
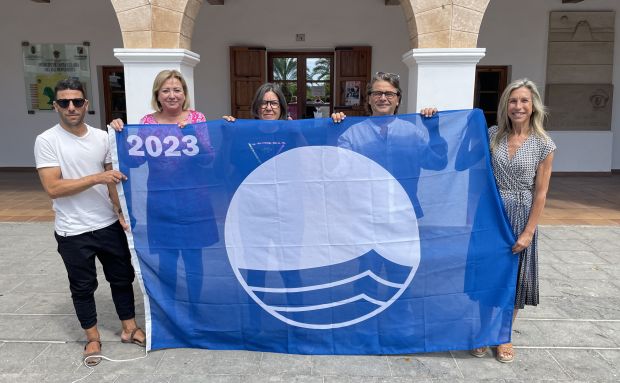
{"type": "Point", "coordinates": [141, 67]}
{"type": "Point", "coordinates": [442, 77]}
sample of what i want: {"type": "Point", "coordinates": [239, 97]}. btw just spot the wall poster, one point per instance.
{"type": "Point", "coordinates": [46, 64]}
{"type": "Point", "coordinates": [352, 93]}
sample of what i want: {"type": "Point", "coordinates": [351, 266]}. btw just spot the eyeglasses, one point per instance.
{"type": "Point", "coordinates": [77, 102]}
{"type": "Point", "coordinates": [272, 103]}
{"type": "Point", "coordinates": [377, 94]}
{"type": "Point", "coordinates": [387, 75]}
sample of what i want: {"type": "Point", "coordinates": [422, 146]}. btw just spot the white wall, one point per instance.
{"type": "Point", "coordinates": [515, 34]}
{"type": "Point", "coordinates": [59, 22]}
{"type": "Point", "coordinates": [274, 23]}
{"type": "Point", "coordinates": [270, 23]}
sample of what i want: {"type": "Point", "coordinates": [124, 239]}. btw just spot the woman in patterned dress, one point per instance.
{"type": "Point", "coordinates": [522, 155]}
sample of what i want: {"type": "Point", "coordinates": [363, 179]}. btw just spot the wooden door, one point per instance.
{"type": "Point", "coordinates": [490, 84]}
{"type": "Point", "coordinates": [352, 77]}
{"type": "Point", "coordinates": [114, 93]}
{"type": "Point", "coordinates": [247, 74]}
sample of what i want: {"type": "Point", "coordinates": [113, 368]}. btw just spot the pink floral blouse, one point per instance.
{"type": "Point", "coordinates": [192, 118]}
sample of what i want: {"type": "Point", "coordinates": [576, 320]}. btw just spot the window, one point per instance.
{"type": "Point", "coordinates": [306, 79]}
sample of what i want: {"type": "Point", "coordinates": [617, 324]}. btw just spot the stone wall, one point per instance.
{"type": "Point", "coordinates": [580, 60]}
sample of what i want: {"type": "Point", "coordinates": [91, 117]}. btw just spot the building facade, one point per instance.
{"type": "Point", "coordinates": [568, 48]}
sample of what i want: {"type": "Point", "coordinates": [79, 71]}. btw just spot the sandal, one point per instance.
{"type": "Point", "coordinates": [91, 359]}
{"type": "Point", "coordinates": [132, 338]}
{"type": "Point", "coordinates": [505, 353]}
{"type": "Point", "coordinates": [479, 352]}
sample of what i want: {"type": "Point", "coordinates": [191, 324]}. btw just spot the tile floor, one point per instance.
{"type": "Point", "coordinates": [572, 200]}
{"type": "Point", "coordinates": [22, 198]}
{"type": "Point", "coordinates": [588, 200]}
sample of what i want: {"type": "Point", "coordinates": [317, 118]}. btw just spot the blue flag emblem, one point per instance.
{"type": "Point", "coordinates": [374, 236]}
{"type": "Point", "coordinates": [329, 267]}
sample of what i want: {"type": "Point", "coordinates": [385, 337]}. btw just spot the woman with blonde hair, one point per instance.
{"type": "Point", "coordinates": [170, 102]}
{"type": "Point", "coordinates": [522, 156]}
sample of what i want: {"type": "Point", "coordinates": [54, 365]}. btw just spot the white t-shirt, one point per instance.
{"type": "Point", "coordinates": [77, 157]}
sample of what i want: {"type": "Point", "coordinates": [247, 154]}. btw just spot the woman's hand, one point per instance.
{"type": "Point", "coordinates": [428, 112]}
{"type": "Point", "coordinates": [523, 242]}
{"type": "Point", "coordinates": [338, 117]}
{"type": "Point", "coordinates": [229, 118]}
{"type": "Point", "coordinates": [117, 124]}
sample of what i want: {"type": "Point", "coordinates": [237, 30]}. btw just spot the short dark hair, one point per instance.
{"type": "Point", "coordinates": [70, 83]}
{"type": "Point", "coordinates": [258, 99]}
{"type": "Point", "coordinates": [393, 79]}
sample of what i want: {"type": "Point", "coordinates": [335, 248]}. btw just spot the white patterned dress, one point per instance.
{"type": "Point", "coordinates": [515, 179]}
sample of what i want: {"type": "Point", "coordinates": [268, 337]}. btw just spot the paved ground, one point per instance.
{"type": "Point", "coordinates": [574, 336]}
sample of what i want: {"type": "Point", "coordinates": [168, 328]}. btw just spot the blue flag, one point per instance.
{"type": "Point", "coordinates": [381, 235]}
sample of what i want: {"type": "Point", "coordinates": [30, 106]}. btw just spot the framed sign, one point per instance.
{"type": "Point", "coordinates": [352, 93]}
{"type": "Point", "coordinates": [46, 64]}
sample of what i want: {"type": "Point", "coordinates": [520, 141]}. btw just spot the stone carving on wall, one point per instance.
{"type": "Point", "coordinates": [599, 99]}
{"type": "Point", "coordinates": [579, 70]}
{"type": "Point", "coordinates": [579, 106]}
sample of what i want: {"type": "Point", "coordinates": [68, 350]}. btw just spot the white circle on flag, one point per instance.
{"type": "Point", "coordinates": [316, 207]}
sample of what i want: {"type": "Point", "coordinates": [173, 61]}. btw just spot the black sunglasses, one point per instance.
{"type": "Point", "coordinates": [77, 102]}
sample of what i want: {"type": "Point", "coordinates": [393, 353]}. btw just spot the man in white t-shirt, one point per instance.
{"type": "Point", "coordinates": [74, 165]}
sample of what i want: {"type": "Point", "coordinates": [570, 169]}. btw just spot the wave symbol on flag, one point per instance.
{"type": "Point", "coordinates": [322, 237]}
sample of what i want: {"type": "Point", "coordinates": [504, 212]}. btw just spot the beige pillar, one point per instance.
{"type": "Point", "coordinates": [442, 62]}
{"type": "Point", "coordinates": [157, 23]}
{"type": "Point", "coordinates": [444, 23]}
{"type": "Point", "coordinates": [157, 35]}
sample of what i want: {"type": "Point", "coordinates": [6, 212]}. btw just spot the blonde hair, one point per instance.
{"type": "Point", "coordinates": [159, 81]}
{"type": "Point", "coordinates": [537, 119]}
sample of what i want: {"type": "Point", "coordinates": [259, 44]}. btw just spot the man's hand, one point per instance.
{"type": "Point", "coordinates": [428, 112]}
{"type": "Point", "coordinates": [121, 220]}
{"type": "Point", "coordinates": [110, 177]}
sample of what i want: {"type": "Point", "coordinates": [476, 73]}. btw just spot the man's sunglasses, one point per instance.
{"type": "Point", "coordinates": [77, 102]}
